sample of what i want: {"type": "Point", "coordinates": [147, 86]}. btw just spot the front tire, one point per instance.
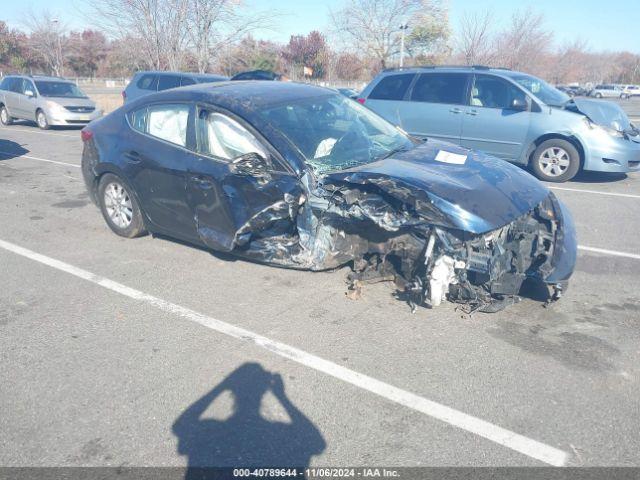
{"type": "Point", "coordinates": [41, 120]}
{"type": "Point", "coordinates": [5, 118]}
{"type": "Point", "coordinates": [119, 207]}
{"type": "Point", "coordinates": [555, 160]}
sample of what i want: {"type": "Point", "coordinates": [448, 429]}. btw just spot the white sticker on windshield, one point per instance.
{"type": "Point", "coordinates": [450, 157]}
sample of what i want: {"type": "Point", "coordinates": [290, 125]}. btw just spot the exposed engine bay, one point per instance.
{"type": "Point", "coordinates": [388, 234]}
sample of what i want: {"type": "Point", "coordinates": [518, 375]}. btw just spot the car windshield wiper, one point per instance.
{"type": "Point", "coordinates": [393, 152]}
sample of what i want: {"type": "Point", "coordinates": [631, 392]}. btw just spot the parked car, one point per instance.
{"type": "Point", "coordinates": [572, 91]}
{"type": "Point", "coordinates": [606, 91]}
{"type": "Point", "coordinates": [511, 115]}
{"type": "Point", "coordinates": [631, 91]}
{"type": "Point", "coordinates": [299, 176]}
{"type": "Point", "coordinates": [46, 100]}
{"type": "Point", "coordinates": [348, 92]}
{"type": "Point", "coordinates": [144, 83]}
{"type": "Point", "coordinates": [260, 75]}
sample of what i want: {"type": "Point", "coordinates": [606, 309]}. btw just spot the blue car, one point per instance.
{"type": "Point", "coordinates": [511, 115]}
{"type": "Point", "coordinates": [299, 176]}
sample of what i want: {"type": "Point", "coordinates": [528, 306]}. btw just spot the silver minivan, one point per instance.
{"type": "Point", "coordinates": [46, 100]}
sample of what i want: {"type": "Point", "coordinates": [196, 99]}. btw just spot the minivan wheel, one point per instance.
{"type": "Point", "coordinates": [119, 207]}
{"type": "Point", "coordinates": [555, 160]}
{"type": "Point", "coordinates": [5, 118]}
{"type": "Point", "coordinates": [41, 120]}
{"type": "Point", "coordinates": [598, 95]}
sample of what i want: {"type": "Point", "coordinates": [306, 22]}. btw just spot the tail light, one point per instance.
{"type": "Point", "coordinates": [124, 96]}
{"type": "Point", "coordinates": [86, 134]}
{"type": "Point", "coordinates": [361, 100]}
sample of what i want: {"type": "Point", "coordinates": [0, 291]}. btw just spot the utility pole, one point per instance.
{"type": "Point", "coordinates": [403, 28]}
{"type": "Point", "coordinates": [59, 52]}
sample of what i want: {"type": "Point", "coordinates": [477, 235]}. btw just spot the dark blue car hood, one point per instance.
{"type": "Point", "coordinates": [480, 195]}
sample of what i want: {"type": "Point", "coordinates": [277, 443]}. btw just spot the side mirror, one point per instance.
{"type": "Point", "coordinates": [252, 164]}
{"type": "Point", "coordinates": [29, 93]}
{"type": "Point", "coordinates": [519, 104]}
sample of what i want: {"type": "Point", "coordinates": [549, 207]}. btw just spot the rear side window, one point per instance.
{"type": "Point", "coordinates": [392, 87]}
{"type": "Point", "coordinates": [168, 81]}
{"type": "Point", "coordinates": [440, 88]}
{"type": "Point", "coordinates": [148, 82]}
{"type": "Point", "coordinates": [5, 83]}
{"type": "Point", "coordinates": [167, 122]}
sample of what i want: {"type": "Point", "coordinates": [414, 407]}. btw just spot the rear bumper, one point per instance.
{"type": "Point", "coordinates": [73, 119]}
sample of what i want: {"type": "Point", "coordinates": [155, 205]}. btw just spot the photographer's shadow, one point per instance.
{"type": "Point", "coordinates": [246, 438]}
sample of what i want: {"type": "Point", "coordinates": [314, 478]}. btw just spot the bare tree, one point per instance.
{"type": "Point", "coordinates": [160, 26]}
{"type": "Point", "coordinates": [46, 39]}
{"type": "Point", "coordinates": [475, 41]}
{"type": "Point", "coordinates": [525, 43]}
{"type": "Point", "coordinates": [215, 24]}
{"type": "Point", "coordinates": [373, 26]}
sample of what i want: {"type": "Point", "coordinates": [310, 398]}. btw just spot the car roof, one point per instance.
{"type": "Point", "coordinates": [451, 68]}
{"type": "Point", "coordinates": [184, 74]}
{"type": "Point", "coordinates": [241, 96]}
{"type": "Point", "coordinates": [40, 78]}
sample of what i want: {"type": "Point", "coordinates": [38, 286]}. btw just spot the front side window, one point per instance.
{"type": "Point", "coordinates": [167, 122]}
{"type": "Point", "coordinates": [187, 81]}
{"type": "Point", "coordinates": [28, 86]}
{"type": "Point", "coordinates": [493, 92]}
{"type": "Point", "coordinates": [59, 89]}
{"type": "Point", "coordinates": [168, 81]}
{"type": "Point", "coordinates": [392, 87]}
{"type": "Point", "coordinates": [222, 137]}
{"type": "Point", "coordinates": [440, 88]}
{"type": "Point", "coordinates": [334, 133]}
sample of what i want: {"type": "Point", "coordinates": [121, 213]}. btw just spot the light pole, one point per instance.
{"type": "Point", "coordinates": [59, 52]}
{"type": "Point", "coordinates": [403, 28]}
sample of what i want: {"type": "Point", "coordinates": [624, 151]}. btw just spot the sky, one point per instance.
{"type": "Point", "coordinates": [601, 27]}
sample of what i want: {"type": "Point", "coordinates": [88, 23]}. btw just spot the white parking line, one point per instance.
{"type": "Point", "coordinates": [526, 446]}
{"type": "Point", "coordinates": [11, 129]}
{"type": "Point", "coordinates": [597, 192]}
{"type": "Point", "coordinates": [604, 251]}
{"type": "Point", "coordinates": [8, 154]}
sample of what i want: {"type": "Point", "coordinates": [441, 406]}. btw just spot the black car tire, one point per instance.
{"type": "Point", "coordinates": [41, 120]}
{"type": "Point", "coordinates": [5, 118]}
{"type": "Point", "coordinates": [129, 224]}
{"type": "Point", "coordinates": [565, 151]}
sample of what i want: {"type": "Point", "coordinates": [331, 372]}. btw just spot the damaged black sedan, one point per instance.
{"type": "Point", "coordinates": [299, 176]}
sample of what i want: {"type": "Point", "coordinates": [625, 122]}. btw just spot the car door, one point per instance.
{"type": "Point", "coordinates": [239, 188]}
{"type": "Point", "coordinates": [436, 106]}
{"type": "Point", "coordinates": [157, 154]}
{"type": "Point", "coordinates": [12, 95]}
{"type": "Point", "coordinates": [28, 103]}
{"type": "Point", "coordinates": [492, 122]}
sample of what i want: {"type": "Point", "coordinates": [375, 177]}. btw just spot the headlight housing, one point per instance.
{"type": "Point", "coordinates": [612, 132]}
{"type": "Point", "coordinates": [54, 107]}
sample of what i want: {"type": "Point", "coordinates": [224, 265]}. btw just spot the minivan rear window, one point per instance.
{"type": "Point", "coordinates": [148, 82]}
{"type": "Point", "coordinates": [392, 87]}
{"type": "Point", "coordinates": [441, 88]}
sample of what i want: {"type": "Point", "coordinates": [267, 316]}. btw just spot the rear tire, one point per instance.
{"type": "Point", "coordinates": [119, 207]}
{"type": "Point", "coordinates": [5, 118]}
{"type": "Point", "coordinates": [41, 120]}
{"type": "Point", "coordinates": [555, 160]}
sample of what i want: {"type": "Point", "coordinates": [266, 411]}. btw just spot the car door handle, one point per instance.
{"type": "Point", "coordinates": [203, 182]}
{"type": "Point", "coordinates": [133, 156]}
{"type": "Point", "coordinates": [455, 110]}
{"type": "Point", "coordinates": [472, 112]}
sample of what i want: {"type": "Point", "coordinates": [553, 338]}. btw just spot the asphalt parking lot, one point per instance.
{"type": "Point", "coordinates": [115, 352]}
